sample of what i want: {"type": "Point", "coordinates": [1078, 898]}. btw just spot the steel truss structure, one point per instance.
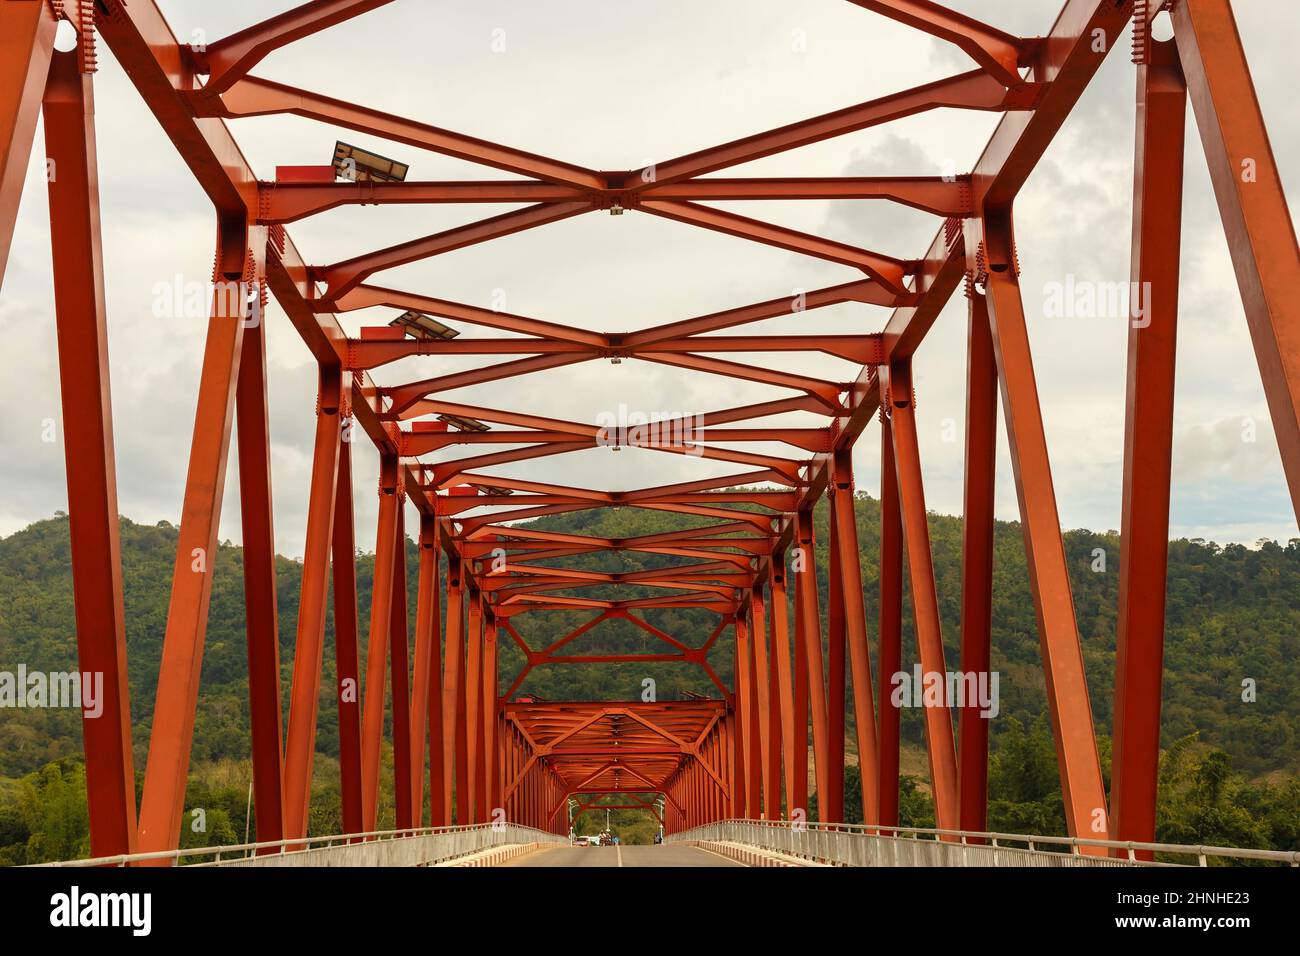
{"type": "Point", "coordinates": [745, 753]}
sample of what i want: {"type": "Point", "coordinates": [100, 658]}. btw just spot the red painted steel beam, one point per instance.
{"type": "Point", "coordinates": [1063, 64]}
{"type": "Point", "coordinates": [825, 392]}
{"type": "Point", "coordinates": [426, 697]}
{"type": "Point", "coordinates": [1001, 54]}
{"type": "Point", "coordinates": [785, 678]}
{"type": "Point", "coordinates": [492, 792]}
{"type": "Point", "coordinates": [884, 269]}
{"type": "Point", "coordinates": [290, 202]}
{"type": "Point", "coordinates": [163, 798]}
{"type": "Point", "coordinates": [406, 765]}
{"type": "Point", "coordinates": [809, 635]}
{"type": "Point", "coordinates": [346, 650]}
{"type": "Point", "coordinates": [253, 96]}
{"type": "Point", "coordinates": [864, 291]}
{"type": "Point", "coordinates": [932, 194]}
{"type": "Point", "coordinates": [769, 776]}
{"type": "Point", "coordinates": [341, 277]}
{"type": "Point", "coordinates": [230, 58]}
{"type": "Point", "coordinates": [1253, 207]}
{"type": "Point", "coordinates": [453, 739]}
{"type": "Point", "coordinates": [371, 353]}
{"type": "Point", "coordinates": [836, 682]}
{"type": "Point", "coordinates": [372, 728]}
{"type": "Point", "coordinates": [286, 202]}
{"type": "Point", "coordinates": [82, 332]}
{"type": "Point", "coordinates": [925, 602]}
{"type": "Point", "coordinates": [27, 30]}
{"type": "Point", "coordinates": [1067, 688]}
{"type": "Point", "coordinates": [978, 526]}
{"type": "Point", "coordinates": [891, 631]}
{"type": "Point", "coordinates": [368, 296]}
{"type": "Point", "coordinates": [462, 732]}
{"type": "Point", "coordinates": [262, 622]}
{"type": "Point", "coordinates": [309, 646]}
{"type": "Point", "coordinates": [975, 90]}
{"type": "Point", "coordinates": [1148, 443]}
{"type": "Point", "coordinates": [473, 686]}
{"type": "Point", "coordinates": [404, 396]}
{"type": "Point", "coordinates": [743, 720]}
{"type": "Point", "coordinates": [809, 439]}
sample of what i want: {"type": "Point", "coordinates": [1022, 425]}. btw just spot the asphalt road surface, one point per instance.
{"type": "Point", "coordinates": [664, 855]}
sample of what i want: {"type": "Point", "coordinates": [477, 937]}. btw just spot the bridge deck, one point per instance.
{"type": "Point", "coordinates": [621, 856]}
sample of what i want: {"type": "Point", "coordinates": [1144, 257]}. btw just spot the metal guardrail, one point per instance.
{"type": "Point", "coordinates": [420, 847]}
{"type": "Point", "coordinates": [847, 844]}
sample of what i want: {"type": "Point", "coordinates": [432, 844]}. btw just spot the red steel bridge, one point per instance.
{"type": "Point", "coordinates": [456, 721]}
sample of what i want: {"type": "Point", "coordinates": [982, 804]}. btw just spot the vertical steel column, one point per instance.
{"type": "Point", "coordinates": [426, 699]}
{"type": "Point", "coordinates": [372, 731]}
{"type": "Point", "coordinates": [27, 29]}
{"type": "Point", "coordinates": [769, 758]}
{"type": "Point", "coordinates": [347, 653]}
{"type": "Point", "coordinates": [772, 782]}
{"type": "Point", "coordinates": [848, 573]}
{"type": "Point", "coordinates": [473, 689]}
{"type": "Point", "coordinates": [977, 560]}
{"type": "Point", "coordinates": [891, 621]}
{"type": "Point", "coordinates": [737, 755]}
{"type": "Point", "coordinates": [399, 662]}
{"type": "Point", "coordinates": [832, 803]}
{"type": "Point", "coordinates": [744, 723]}
{"type": "Point", "coordinates": [801, 679]}
{"type": "Point", "coordinates": [1148, 443]}
{"type": "Point", "coordinates": [1067, 687]}
{"type": "Point", "coordinates": [489, 799]}
{"type": "Point", "coordinates": [464, 767]}
{"type": "Point", "coordinates": [830, 808]}
{"type": "Point", "coordinates": [81, 323]}
{"type": "Point", "coordinates": [452, 754]}
{"type": "Point", "coordinates": [241, 254]}
{"type": "Point", "coordinates": [753, 782]}
{"type": "Point", "coordinates": [252, 413]}
{"type": "Point", "coordinates": [1252, 205]}
{"type": "Point", "coordinates": [785, 680]}
{"type": "Point", "coordinates": [925, 601]}
{"type": "Point", "coordinates": [309, 648]}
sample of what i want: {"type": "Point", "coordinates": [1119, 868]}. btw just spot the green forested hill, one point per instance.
{"type": "Point", "coordinates": [1234, 614]}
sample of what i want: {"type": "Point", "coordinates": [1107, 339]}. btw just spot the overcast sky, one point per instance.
{"type": "Point", "coordinates": [616, 85]}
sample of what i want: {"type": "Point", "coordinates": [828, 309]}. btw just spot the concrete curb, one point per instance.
{"type": "Point", "coordinates": [751, 856]}
{"type": "Point", "coordinates": [496, 855]}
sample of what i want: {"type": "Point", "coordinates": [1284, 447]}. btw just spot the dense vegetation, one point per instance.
{"type": "Point", "coordinates": [1231, 771]}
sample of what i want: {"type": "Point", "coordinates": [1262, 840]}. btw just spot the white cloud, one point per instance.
{"type": "Point", "coordinates": [616, 86]}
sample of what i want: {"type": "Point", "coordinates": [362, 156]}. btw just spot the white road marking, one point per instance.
{"type": "Point", "coordinates": [619, 849]}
